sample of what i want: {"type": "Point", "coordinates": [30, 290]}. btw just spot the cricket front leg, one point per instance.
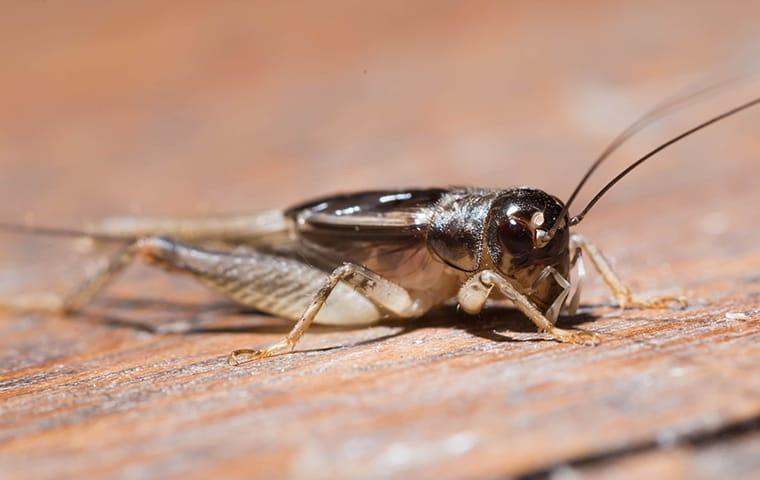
{"type": "Point", "coordinates": [391, 298]}
{"type": "Point", "coordinates": [473, 294]}
{"type": "Point", "coordinates": [619, 289]}
{"type": "Point", "coordinates": [552, 313]}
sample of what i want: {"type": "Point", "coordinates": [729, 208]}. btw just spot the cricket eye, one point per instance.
{"type": "Point", "coordinates": [515, 237]}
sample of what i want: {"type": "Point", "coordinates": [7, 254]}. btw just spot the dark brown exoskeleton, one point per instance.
{"type": "Point", "coordinates": [359, 258]}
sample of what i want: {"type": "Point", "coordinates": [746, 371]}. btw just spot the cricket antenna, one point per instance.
{"type": "Point", "coordinates": [578, 218]}
{"type": "Point", "coordinates": [665, 108]}
{"type": "Point", "coordinates": [14, 228]}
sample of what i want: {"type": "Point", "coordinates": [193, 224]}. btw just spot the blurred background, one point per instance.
{"type": "Point", "coordinates": [113, 108]}
{"type": "Point", "coordinates": [201, 107]}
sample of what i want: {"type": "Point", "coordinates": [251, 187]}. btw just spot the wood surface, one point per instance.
{"type": "Point", "coordinates": [202, 107]}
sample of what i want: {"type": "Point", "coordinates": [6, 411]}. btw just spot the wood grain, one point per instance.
{"type": "Point", "coordinates": [206, 107]}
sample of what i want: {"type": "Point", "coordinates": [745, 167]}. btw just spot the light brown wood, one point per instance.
{"type": "Point", "coordinates": [207, 107]}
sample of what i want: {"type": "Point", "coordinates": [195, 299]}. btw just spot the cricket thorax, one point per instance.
{"type": "Point", "coordinates": [473, 229]}
{"type": "Point", "coordinates": [456, 230]}
{"type": "Point", "coordinates": [517, 230]}
{"type": "Point", "coordinates": [503, 230]}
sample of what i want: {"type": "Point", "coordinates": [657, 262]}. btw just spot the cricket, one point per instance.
{"type": "Point", "coordinates": [359, 258]}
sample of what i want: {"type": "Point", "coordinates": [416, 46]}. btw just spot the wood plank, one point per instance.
{"type": "Point", "coordinates": [711, 459]}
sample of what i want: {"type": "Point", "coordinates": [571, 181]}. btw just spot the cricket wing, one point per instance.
{"type": "Point", "coordinates": [383, 230]}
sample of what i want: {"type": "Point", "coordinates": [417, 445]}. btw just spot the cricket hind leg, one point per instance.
{"type": "Point", "coordinates": [619, 289]}
{"type": "Point", "coordinates": [266, 228]}
{"type": "Point", "coordinates": [287, 287]}
{"type": "Point", "coordinates": [275, 284]}
{"type": "Point", "coordinates": [213, 267]}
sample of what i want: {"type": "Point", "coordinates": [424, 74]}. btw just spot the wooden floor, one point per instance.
{"type": "Point", "coordinates": [205, 107]}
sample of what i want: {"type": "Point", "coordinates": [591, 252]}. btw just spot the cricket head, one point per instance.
{"type": "Point", "coordinates": [518, 227]}
{"type": "Point", "coordinates": [518, 243]}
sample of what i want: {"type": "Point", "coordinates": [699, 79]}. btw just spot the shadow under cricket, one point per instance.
{"type": "Point", "coordinates": [492, 324]}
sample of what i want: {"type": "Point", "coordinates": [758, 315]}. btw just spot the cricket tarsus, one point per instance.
{"type": "Point", "coordinates": [359, 258]}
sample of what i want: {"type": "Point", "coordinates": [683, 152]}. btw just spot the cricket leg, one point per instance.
{"type": "Point", "coordinates": [474, 293]}
{"type": "Point", "coordinates": [80, 296]}
{"type": "Point", "coordinates": [263, 228]}
{"type": "Point", "coordinates": [157, 250]}
{"type": "Point", "coordinates": [578, 266]}
{"type": "Point", "coordinates": [388, 296]}
{"type": "Point", "coordinates": [552, 313]}
{"type": "Point", "coordinates": [150, 248]}
{"type": "Point", "coordinates": [275, 284]}
{"type": "Point", "coordinates": [619, 289]}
